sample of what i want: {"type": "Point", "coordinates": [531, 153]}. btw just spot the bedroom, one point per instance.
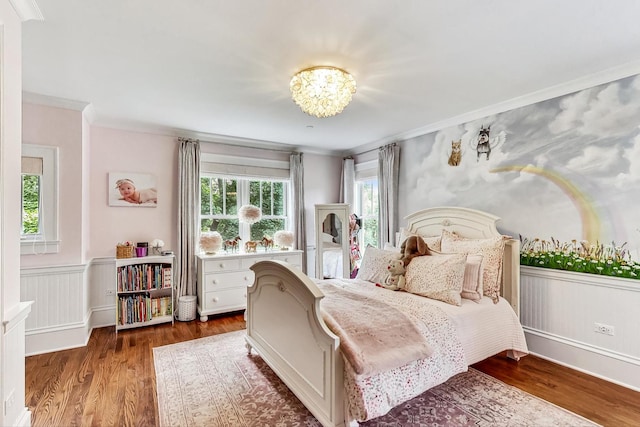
{"type": "Point", "coordinates": [89, 152]}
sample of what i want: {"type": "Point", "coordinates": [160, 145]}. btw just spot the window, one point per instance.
{"type": "Point", "coordinates": [39, 231]}
{"type": "Point", "coordinates": [367, 204]}
{"type": "Point", "coordinates": [221, 198]}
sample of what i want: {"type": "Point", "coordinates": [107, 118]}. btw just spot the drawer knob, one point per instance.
{"type": "Point", "coordinates": [222, 265]}
{"type": "Point", "coordinates": [245, 295]}
{"type": "Point", "coordinates": [215, 299]}
{"type": "Point", "coordinates": [215, 281]}
{"type": "Point", "coordinates": [246, 279]}
{"type": "Point", "coordinates": [286, 260]}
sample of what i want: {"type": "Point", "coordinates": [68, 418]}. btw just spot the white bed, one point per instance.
{"type": "Point", "coordinates": [285, 325]}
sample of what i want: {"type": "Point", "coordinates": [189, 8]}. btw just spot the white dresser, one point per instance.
{"type": "Point", "coordinates": [223, 279]}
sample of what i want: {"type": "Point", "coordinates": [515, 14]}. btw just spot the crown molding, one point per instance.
{"type": "Point", "coordinates": [591, 80]}
{"type": "Point", "coordinates": [27, 10]}
{"type": "Point", "coordinates": [53, 101]}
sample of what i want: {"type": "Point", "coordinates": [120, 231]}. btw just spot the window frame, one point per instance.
{"type": "Point", "coordinates": [243, 198]}
{"type": "Point", "coordinates": [365, 171]}
{"type": "Point", "coordinates": [47, 240]}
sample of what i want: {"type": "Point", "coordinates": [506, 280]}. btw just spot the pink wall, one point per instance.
{"type": "Point", "coordinates": [122, 151]}
{"type": "Point", "coordinates": [89, 227]}
{"type": "Point", "coordinates": [59, 127]}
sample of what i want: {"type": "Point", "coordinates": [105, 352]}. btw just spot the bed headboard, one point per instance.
{"type": "Point", "coordinates": [472, 224]}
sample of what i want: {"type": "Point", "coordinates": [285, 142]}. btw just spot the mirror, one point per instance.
{"type": "Point", "coordinates": [332, 241]}
{"type": "Point", "coordinates": [331, 249]}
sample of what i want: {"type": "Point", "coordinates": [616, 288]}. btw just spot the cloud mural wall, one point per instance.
{"type": "Point", "coordinates": [567, 167]}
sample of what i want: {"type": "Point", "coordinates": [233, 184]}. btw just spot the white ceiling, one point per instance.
{"type": "Point", "coordinates": [222, 67]}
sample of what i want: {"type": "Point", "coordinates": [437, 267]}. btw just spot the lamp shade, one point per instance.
{"type": "Point", "coordinates": [210, 242]}
{"type": "Point", "coordinates": [249, 214]}
{"type": "Point", "coordinates": [284, 239]}
{"type": "Point", "coordinates": [322, 91]}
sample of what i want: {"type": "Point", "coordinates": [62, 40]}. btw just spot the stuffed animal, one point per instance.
{"type": "Point", "coordinates": [412, 247]}
{"type": "Point", "coordinates": [395, 277]}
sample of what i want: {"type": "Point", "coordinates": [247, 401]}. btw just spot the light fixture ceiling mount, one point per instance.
{"type": "Point", "coordinates": [322, 91]}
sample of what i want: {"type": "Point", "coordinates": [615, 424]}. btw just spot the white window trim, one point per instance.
{"type": "Point", "coordinates": [48, 242]}
{"type": "Point", "coordinates": [244, 229]}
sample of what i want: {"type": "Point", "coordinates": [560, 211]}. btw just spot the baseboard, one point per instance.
{"type": "Point", "coordinates": [598, 362]}
{"type": "Point", "coordinates": [46, 340]}
{"type": "Point", "coordinates": [102, 316]}
{"type": "Point", "coordinates": [24, 420]}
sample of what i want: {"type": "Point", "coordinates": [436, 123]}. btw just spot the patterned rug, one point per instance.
{"type": "Point", "coordinates": [214, 382]}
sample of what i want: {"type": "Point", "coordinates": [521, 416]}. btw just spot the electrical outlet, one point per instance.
{"type": "Point", "coordinates": [109, 292]}
{"type": "Point", "coordinates": [604, 329]}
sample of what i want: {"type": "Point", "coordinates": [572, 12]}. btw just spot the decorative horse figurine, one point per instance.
{"type": "Point", "coordinates": [233, 244]}
{"type": "Point", "coordinates": [251, 246]}
{"type": "Point", "coordinates": [267, 242]}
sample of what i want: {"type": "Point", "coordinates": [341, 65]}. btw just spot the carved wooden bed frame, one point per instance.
{"type": "Point", "coordinates": [285, 325]}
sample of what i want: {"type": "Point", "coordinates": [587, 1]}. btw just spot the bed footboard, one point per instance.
{"type": "Point", "coordinates": [285, 326]}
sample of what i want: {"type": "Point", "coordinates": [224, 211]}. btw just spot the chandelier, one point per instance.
{"type": "Point", "coordinates": [322, 91]}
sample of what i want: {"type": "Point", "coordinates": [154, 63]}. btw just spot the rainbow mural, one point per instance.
{"type": "Point", "coordinates": [591, 228]}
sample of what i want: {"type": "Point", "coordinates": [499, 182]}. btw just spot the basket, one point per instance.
{"type": "Point", "coordinates": [123, 251]}
{"type": "Point", "coordinates": [187, 308]}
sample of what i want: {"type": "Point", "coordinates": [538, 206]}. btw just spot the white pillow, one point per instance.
{"type": "Point", "coordinates": [437, 277]}
{"type": "Point", "coordinates": [374, 264]}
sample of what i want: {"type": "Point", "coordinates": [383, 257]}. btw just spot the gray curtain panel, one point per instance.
{"type": "Point", "coordinates": [348, 182]}
{"type": "Point", "coordinates": [388, 172]}
{"type": "Point", "coordinates": [297, 205]}
{"type": "Point", "coordinates": [188, 212]}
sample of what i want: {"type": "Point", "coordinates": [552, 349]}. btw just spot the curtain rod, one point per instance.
{"type": "Point", "coordinates": [282, 150]}
{"type": "Point", "coordinates": [393, 144]}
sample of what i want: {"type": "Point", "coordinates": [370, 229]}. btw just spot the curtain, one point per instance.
{"type": "Point", "coordinates": [348, 182]}
{"type": "Point", "coordinates": [188, 212]}
{"type": "Point", "coordinates": [388, 171]}
{"type": "Point", "coordinates": [297, 205]}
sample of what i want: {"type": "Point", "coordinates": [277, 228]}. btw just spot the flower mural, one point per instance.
{"type": "Point", "coordinates": [579, 256]}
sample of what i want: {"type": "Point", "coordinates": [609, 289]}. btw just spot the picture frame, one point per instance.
{"type": "Point", "coordinates": [131, 189]}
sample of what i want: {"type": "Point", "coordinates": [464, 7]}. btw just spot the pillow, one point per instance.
{"type": "Point", "coordinates": [437, 277]}
{"type": "Point", "coordinates": [389, 247]}
{"type": "Point", "coordinates": [472, 283]}
{"type": "Point", "coordinates": [492, 251]}
{"type": "Point", "coordinates": [374, 264]}
{"type": "Point", "coordinates": [432, 241]}
{"type": "Point", "coordinates": [327, 238]}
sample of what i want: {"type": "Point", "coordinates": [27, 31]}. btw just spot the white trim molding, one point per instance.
{"type": "Point", "coordinates": [561, 312]}
{"type": "Point", "coordinates": [27, 10]}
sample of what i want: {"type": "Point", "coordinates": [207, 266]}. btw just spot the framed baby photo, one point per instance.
{"type": "Point", "coordinates": [132, 190]}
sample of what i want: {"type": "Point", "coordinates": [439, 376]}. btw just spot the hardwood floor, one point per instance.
{"type": "Point", "coordinates": [111, 381]}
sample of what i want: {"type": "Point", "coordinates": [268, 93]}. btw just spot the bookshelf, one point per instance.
{"type": "Point", "coordinates": [144, 291]}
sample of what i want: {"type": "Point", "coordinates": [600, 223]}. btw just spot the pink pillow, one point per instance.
{"type": "Point", "coordinates": [492, 251]}
{"type": "Point", "coordinates": [472, 283]}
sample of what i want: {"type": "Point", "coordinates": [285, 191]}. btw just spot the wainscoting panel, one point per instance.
{"type": "Point", "coordinates": [561, 312]}
{"type": "Point", "coordinates": [59, 314]}
{"type": "Point", "coordinates": [102, 282]}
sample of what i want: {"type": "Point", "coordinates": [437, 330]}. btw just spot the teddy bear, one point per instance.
{"type": "Point", "coordinates": [395, 278]}
{"type": "Point", "coordinates": [412, 247]}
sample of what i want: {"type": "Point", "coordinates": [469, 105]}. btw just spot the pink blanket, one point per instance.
{"type": "Point", "coordinates": [374, 336]}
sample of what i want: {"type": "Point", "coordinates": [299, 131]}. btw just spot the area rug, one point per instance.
{"type": "Point", "coordinates": [214, 382]}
